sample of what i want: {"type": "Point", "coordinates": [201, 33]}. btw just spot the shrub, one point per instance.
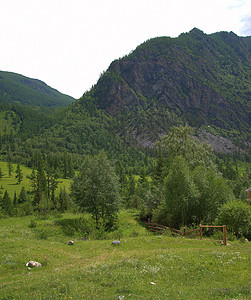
{"type": "Point", "coordinates": [237, 216]}
{"type": "Point", "coordinates": [33, 224]}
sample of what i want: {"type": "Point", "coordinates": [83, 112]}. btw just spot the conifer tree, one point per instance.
{"type": "Point", "coordinates": [63, 203]}
{"type": "Point", "coordinates": [22, 196]}
{"type": "Point", "coordinates": [10, 167]}
{"type": "Point", "coordinates": [158, 174]}
{"type": "Point", "coordinates": [19, 175]}
{"type": "Point", "coordinates": [15, 202]}
{"type": "Point", "coordinates": [1, 173]}
{"type": "Point", "coordinates": [7, 204]}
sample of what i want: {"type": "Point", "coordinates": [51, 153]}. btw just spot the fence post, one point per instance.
{"type": "Point", "coordinates": [224, 234]}
{"type": "Point", "coordinates": [184, 231]}
{"type": "Point", "coordinates": [200, 232]}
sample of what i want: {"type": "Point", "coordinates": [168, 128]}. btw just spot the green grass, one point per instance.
{"type": "Point", "coordinates": [142, 267]}
{"type": "Point", "coordinates": [10, 183]}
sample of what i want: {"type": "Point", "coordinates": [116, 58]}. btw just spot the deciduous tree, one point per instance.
{"type": "Point", "coordinates": [96, 188]}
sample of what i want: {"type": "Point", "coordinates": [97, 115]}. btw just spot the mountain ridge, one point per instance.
{"type": "Point", "coordinates": [19, 89]}
{"type": "Point", "coordinates": [195, 79]}
{"type": "Point", "coordinates": [171, 73]}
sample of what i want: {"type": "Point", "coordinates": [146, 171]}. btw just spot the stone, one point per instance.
{"type": "Point", "coordinates": [116, 243]}
{"type": "Point", "coordinates": [33, 264]}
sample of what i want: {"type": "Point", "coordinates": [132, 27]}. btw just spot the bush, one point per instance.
{"type": "Point", "coordinates": [237, 216]}
{"type": "Point", "coordinates": [33, 224]}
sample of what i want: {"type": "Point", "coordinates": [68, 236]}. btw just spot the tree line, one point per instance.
{"type": "Point", "coordinates": [186, 185]}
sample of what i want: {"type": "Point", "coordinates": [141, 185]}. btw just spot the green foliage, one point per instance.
{"type": "Point", "coordinates": [194, 190]}
{"type": "Point", "coordinates": [33, 224]}
{"type": "Point", "coordinates": [213, 193]}
{"type": "Point", "coordinates": [1, 173]}
{"type": "Point", "coordinates": [96, 189]}
{"type": "Point", "coordinates": [19, 175]}
{"type": "Point", "coordinates": [15, 88]}
{"type": "Point", "coordinates": [37, 186]}
{"type": "Point", "coordinates": [10, 168]}
{"type": "Point", "coordinates": [158, 174]}
{"type": "Point", "coordinates": [6, 204]}
{"type": "Point", "coordinates": [237, 216]}
{"type": "Point", "coordinates": [64, 201]}
{"type": "Point", "coordinates": [22, 196]}
{"type": "Point", "coordinates": [181, 194]}
{"type": "Point", "coordinates": [180, 141]}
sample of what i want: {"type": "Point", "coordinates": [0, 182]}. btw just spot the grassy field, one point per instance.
{"type": "Point", "coordinates": [143, 266]}
{"type": "Point", "coordinates": [10, 183]}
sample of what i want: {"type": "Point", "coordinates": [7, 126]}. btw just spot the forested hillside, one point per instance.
{"type": "Point", "coordinates": [137, 138]}
{"type": "Point", "coordinates": [199, 79]}
{"type": "Point", "coordinates": [18, 89]}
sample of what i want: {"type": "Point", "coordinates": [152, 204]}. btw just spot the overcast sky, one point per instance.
{"type": "Point", "coordinates": [69, 43]}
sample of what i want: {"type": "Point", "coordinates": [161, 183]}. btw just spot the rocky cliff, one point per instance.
{"type": "Point", "coordinates": [205, 77]}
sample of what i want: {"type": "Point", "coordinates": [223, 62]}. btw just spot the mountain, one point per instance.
{"type": "Point", "coordinates": [199, 79]}
{"type": "Point", "coordinates": [15, 88]}
{"type": "Point", "coordinates": [196, 78]}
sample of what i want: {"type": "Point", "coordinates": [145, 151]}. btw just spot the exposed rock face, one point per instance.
{"type": "Point", "coordinates": [205, 76]}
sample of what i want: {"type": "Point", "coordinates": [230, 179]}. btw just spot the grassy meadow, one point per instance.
{"type": "Point", "coordinates": [10, 183]}
{"type": "Point", "coordinates": [143, 266]}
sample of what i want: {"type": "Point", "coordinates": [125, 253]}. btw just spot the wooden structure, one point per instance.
{"type": "Point", "coordinates": [154, 227]}
{"type": "Point", "coordinates": [224, 231]}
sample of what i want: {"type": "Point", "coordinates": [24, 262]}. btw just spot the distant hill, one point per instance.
{"type": "Point", "coordinates": [18, 89]}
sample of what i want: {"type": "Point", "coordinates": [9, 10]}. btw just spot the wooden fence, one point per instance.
{"type": "Point", "coordinates": [154, 227]}
{"type": "Point", "coordinates": [224, 227]}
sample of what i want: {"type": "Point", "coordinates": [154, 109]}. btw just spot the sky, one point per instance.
{"type": "Point", "coordinates": [69, 43]}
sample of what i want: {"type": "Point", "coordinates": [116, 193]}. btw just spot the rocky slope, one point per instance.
{"type": "Point", "coordinates": [203, 78]}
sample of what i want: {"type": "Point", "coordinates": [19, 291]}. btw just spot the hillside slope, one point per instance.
{"type": "Point", "coordinates": [196, 78]}
{"type": "Point", "coordinates": [18, 89]}
{"type": "Point", "coordinates": [199, 79]}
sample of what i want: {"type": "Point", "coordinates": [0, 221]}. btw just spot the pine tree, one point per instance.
{"type": "Point", "coordinates": [7, 204]}
{"type": "Point", "coordinates": [10, 167]}
{"type": "Point", "coordinates": [19, 175]}
{"type": "Point", "coordinates": [62, 199]}
{"type": "Point", "coordinates": [40, 184]}
{"type": "Point", "coordinates": [15, 202]}
{"type": "Point", "coordinates": [1, 174]}
{"type": "Point", "coordinates": [159, 168]}
{"type": "Point", "coordinates": [22, 196]}
{"type": "Point", "coordinates": [52, 184]}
